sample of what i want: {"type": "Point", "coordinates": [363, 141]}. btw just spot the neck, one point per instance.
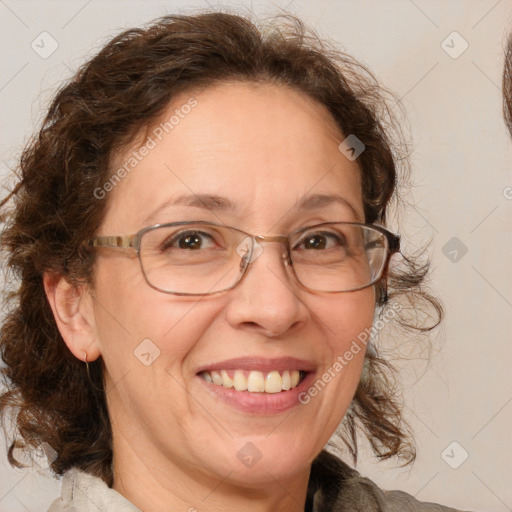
{"type": "Point", "coordinates": [154, 483]}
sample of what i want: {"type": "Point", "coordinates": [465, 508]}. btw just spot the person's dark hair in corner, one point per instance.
{"type": "Point", "coordinates": [201, 266]}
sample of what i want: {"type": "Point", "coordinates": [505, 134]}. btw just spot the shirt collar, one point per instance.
{"type": "Point", "coordinates": [88, 493]}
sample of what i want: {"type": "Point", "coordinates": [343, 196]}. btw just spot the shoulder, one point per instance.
{"type": "Point", "coordinates": [336, 487]}
{"type": "Point", "coordinates": [82, 492]}
{"type": "Point", "coordinates": [401, 501]}
{"type": "Point", "coordinates": [333, 487]}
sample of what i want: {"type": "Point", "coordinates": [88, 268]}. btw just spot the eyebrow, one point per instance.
{"type": "Point", "coordinates": [206, 202]}
{"type": "Point", "coordinates": [317, 201]}
{"type": "Point", "coordinates": [213, 203]}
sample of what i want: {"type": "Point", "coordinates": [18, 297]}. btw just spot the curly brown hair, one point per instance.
{"type": "Point", "coordinates": [124, 88]}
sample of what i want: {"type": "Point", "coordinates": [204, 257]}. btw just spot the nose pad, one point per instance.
{"type": "Point", "coordinates": [248, 250]}
{"type": "Point", "coordinates": [287, 257]}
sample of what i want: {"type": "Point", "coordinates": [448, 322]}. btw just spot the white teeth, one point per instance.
{"type": "Point", "coordinates": [239, 381]}
{"type": "Point", "coordinates": [256, 382]}
{"type": "Point", "coordinates": [273, 383]}
{"type": "Point", "coordinates": [287, 382]}
{"type": "Point", "coordinates": [227, 381]}
{"type": "Point", "coordinates": [217, 379]}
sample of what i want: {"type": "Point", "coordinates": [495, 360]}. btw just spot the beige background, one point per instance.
{"type": "Point", "coordinates": [462, 160]}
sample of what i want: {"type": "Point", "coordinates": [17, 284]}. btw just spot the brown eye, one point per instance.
{"type": "Point", "coordinates": [189, 240]}
{"type": "Point", "coordinates": [321, 241]}
{"type": "Point", "coordinates": [315, 242]}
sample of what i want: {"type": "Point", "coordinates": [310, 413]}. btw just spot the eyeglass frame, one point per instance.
{"type": "Point", "coordinates": [134, 242]}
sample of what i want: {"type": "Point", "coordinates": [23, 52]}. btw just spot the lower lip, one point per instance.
{"type": "Point", "coordinates": [260, 403]}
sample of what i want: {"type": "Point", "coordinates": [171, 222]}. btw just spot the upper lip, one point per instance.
{"type": "Point", "coordinates": [260, 364]}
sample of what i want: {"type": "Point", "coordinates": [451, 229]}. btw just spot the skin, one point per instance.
{"type": "Point", "coordinates": [263, 147]}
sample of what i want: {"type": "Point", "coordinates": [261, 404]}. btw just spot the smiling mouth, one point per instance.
{"type": "Point", "coordinates": [254, 381]}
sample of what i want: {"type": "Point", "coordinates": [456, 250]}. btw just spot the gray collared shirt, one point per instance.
{"type": "Point", "coordinates": [82, 492]}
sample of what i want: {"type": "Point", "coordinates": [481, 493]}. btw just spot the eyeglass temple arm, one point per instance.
{"type": "Point", "coordinates": [393, 240]}
{"type": "Point", "coordinates": [394, 243]}
{"type": "Point", "coordinates": [130, 241]}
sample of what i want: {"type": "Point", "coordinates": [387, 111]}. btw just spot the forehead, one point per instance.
{"type": "Point", "coordinates": [263, 147]}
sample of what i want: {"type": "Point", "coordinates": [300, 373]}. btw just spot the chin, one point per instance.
{"type": "Point", "coordinates": [256, 461]}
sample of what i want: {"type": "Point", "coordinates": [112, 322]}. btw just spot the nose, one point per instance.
{"type": "Point", "coordinates": [268, 299]}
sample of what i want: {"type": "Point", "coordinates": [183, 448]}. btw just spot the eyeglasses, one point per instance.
{"type": "Point", "coordinates": [202, 258]}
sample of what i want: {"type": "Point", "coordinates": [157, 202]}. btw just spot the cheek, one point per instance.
{"type": "Point", "coordinates": [347, 322]}
{"type": "Point", "coordinates": [134, 318]}
{"type": "Point", "coordinates": [347, 316]}
{"type": "Point", "coordinates": [344, 320]}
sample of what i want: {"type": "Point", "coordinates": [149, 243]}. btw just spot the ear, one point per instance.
{"type": "Point", "coordinates": [73, 310]}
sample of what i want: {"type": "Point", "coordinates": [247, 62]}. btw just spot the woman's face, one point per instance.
{"type": "Point", "coordinates": [264, 149]}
